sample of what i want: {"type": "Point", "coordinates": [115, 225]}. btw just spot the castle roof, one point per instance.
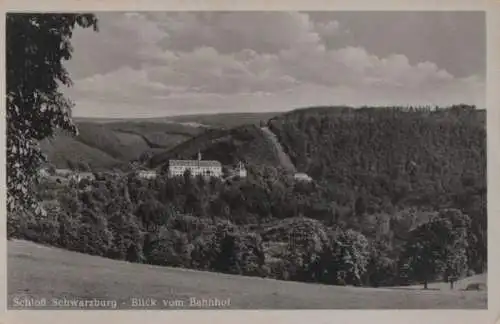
{"type": "Point", "coordinates": [194, 163]}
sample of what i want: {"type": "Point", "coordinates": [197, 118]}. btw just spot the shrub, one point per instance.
{"type": "Point", "coordinates": [168, 247]}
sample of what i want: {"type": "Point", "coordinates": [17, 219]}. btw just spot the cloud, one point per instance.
{"type": "Point", "coordinates": [122, 40]}
{"type": "Point", "coordinates": [125, 83]}
{"type": "Point", "coordinates": [230, 32]}
{"type": "Point", "coordinates": [206, 70]}
{"type": "Point", "coordinates": [213, 61]}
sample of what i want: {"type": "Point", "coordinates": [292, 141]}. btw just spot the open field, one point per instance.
{"type": "Point", "coordinates": [459, 285]}
{"type": "Point", "coordinates": [43, 272]}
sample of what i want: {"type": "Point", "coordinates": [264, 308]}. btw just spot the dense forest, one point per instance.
{"type": "Point", "coordinates": [394, 157]}
{"type": "Point", "coordinates": [387, 183]}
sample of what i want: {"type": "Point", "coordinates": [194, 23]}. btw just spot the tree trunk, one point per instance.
{"type": "Point", "coordinates": [425, 284]}
{"type": "Point", "coordinates": [451, 284]}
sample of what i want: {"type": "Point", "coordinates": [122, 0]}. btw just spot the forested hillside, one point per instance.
{"type": "Point", "coordinates": [111, 143]}
{"type": "Point", "coordinates": [243, 143]}
{"type": "Point", "coordinates": [103, 146]}
{"type": "Point", "coordinates": [393, 157]}
{"type": "Point", "coordinates": [386, 182]}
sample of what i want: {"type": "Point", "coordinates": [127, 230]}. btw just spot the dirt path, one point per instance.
{"type": "Point", "coordinates": [283, 157]}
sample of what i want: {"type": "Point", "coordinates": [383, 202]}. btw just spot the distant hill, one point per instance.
{"type": "Point", "coordinates": [403, 155]}
{"type": "Point", "coordinates": [220, 120]}
{"type": "Point", "coordinates": [329, 142]}
{"type": "Point", "coordinates": [370, 139]}
{"type": "Point", "coordinates": [228, 120]}
{"type": "Point", "coordinates": [244, 143]}
{"type": "Point", "coordinates": [63, 150]}
{"type": "Point", "coordinates": [387, 153]}
{"type": "Point", "coordinates": [105, 143]}
{"type": "Point", "coordinates": [111, 144]}
{"type": "Point", "coordinates": [322, 141]}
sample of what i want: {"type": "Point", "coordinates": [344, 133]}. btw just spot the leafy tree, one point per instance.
{"type": "Point", "coordinates": [94, 235]}
{"type": "Point", "coordinates": [84, 166]}
{"type": "Point", "coordinates": [455, 252]}
{"type": "Point", "coordinates": [422, 254]}
{"type": "Point", "coordinates": [236, 252]}
{"type": "Point", "coordinates": [438, 248]}
{"type": "Point", "coordinates": [307, 242]}
{"type": "Point", "coordinates": [360, 206]}
{"type": "Point", "coordinates": [145, 157]}
{"type": "Point", "coordinates": [350, 256]}
{"type": "Point", "coordinates": [128, 239]}
{"type": "Point", "coordinates": [381, 268]}
{"type": "Point", "coordinates": [168, 247]}
{"type": "Point", "coordinates": [36, 46]}
{"type": "Point", "coordinates": [152, 213]}
{"type": "Point", "coordinates": [51, 170]}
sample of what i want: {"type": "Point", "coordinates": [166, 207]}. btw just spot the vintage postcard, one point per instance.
{"type": "Point", "coordinates": [215, 157]}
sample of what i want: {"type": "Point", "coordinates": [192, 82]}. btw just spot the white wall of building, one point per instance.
{"type": "Point", "coordinates": [212, 171]}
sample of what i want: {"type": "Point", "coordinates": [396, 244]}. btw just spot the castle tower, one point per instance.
{"type": "Point", "coordinates": [241, 171]}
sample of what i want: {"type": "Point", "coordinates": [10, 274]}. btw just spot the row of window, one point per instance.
{"type": "Point", "coordinates": [194, 167]}
{"type": "Point", "coordinates": [205, 172]}
{"type": "Point", "coordinates": [197, 171]}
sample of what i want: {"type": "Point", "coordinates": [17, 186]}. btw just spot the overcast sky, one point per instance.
{"type": "Point", "coordinates": [160, 64]}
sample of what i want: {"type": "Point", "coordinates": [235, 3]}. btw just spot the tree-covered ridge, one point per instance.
{"type": "Point", "coordinates": [414, 146]}
{"type": "Point", "coordinates": [390, 158]}
{"type": "Point", "coordinates": [113, 144]}
{"type": "Point", "coordinates": [243, 143]}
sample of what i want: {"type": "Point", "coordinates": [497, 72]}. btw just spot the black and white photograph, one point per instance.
{"type": "Point", "coordinates": [246, 160]}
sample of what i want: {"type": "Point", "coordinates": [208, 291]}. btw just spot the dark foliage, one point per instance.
{"type": "Point", "coordinates": [36, 47]}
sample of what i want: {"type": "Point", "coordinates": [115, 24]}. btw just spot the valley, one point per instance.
{"type": "Point", "coordinates": [368, 201]}
{"type": "Point", "coordinates": [255, 160]}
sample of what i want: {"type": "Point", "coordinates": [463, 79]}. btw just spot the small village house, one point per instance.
{"type": "Point", "coordinates": [147, 174]}
{"type": "Point", "coordinates": [239, 170]}
{"type": "Point", "coordinates": [79, 176]}
{"type": "Point", "coordinates": [43, 172]}
{"type": "Point", "coordinates": [302, 177]}
{"type": "Point", "coordinates": [65, 173]}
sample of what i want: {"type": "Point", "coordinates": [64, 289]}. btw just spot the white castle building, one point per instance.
{"type": "Point", "coordinates": [196, 167]}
